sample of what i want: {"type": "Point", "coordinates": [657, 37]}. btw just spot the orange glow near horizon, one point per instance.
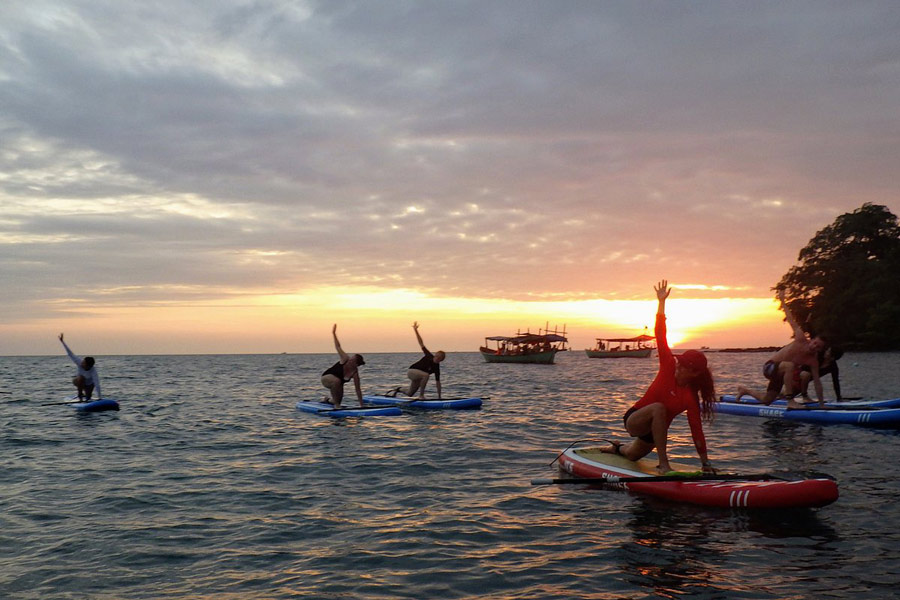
{"type": "Point", "coordinates": [379, 320]}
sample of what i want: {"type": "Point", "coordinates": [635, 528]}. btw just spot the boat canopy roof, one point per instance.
{"type": "Point", "coordinates": [528, 338]}
{"type": "Point", "coordinates": [640, 338]}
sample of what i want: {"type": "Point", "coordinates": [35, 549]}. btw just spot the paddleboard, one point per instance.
{"type": "Point", "coordinates": [775, 493]}
{"type": "Point", "coordinates": [880, 418]}
{"type": "Point", "coordinates": [446, 403]}
{"type": "Point", "coordinates": [327, 410]}
{"type": "Point", "coordinates": [93, 405]}
{"type": "Point", "coordinates": [891, 403]}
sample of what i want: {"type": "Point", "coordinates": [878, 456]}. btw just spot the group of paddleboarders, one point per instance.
{"type": "Point", "coordinates": [347, 369]}
{"type": "Point", "coordinates": [684, 383]}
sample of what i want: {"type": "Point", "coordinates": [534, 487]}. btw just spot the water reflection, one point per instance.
{"type": "Point", "coordinates": [678, 550]}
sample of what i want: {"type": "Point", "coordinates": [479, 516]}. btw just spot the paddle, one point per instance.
{"type": "Point", "coordinates": [67, 402]}
{"type": "Point", "coordinates": [655, 479]}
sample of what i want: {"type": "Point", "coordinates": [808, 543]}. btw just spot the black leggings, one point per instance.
{"type": "Point", "coordinates": [647, 437]}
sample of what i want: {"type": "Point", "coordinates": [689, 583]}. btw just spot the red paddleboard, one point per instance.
{"type": "Point", "coordinates": [773, 493]}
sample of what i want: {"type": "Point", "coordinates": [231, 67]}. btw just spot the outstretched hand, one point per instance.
{"type": "Point", "coordinates": [416, 325]}
{"type": "Point", "coordinates": [60, 337]}
{"type": "Point", "coordinates": [662, 289]}
{"type": "Point", "coordinates": [334, 328]}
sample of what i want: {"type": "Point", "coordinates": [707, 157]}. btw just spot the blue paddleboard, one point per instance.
{"type": "Point", "coordinates": [327, 410]}
{"type": "Point", "coordinates": [93, 405]}
{"type": "Point", "coordinates": [884, 418]}
{"type": "Point", "coordinates": [891, 403]}
{"type": "Point", "coordinates": [446, 403]}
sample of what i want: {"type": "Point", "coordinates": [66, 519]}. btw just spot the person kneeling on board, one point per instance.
{"type": "Point", "coordinates": [683, 383]}
{"type": "Point", "coordinates": [346, 369]}
{"type": "Point", "coordinates": [420, 371]}
{"type": "Point", "coordinates": [86, 380]}
{"type": "Point", "coordinates": [779, 369]}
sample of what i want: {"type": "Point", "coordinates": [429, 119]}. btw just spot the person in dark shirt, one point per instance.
{"type": "Point", "coordinates": [344, 370]}
{"type": "Point", "coordinates": [420, 371]}
{"type": "Point", "coordinates": [827, 364]}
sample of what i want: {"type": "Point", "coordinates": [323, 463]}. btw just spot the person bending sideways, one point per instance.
{"type": "Point", "coordinates": [684, 383]}
{"type": "Point", "coordinates": [344, 370]}
{"type": "Point", "coordinates": [86, 380]}
{"type": "Point", "coordinates": [803, 351]}
{"type": "Point", "coordinates": [420, 371]}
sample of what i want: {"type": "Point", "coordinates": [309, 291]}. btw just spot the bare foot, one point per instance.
{"type": "Point", "coordinates": [662, 470]}
{"type": "Point", "coordinates": [791, 403]}
{"type": "Point", "coordinates": [613, 448]}
{"type": "Point", "coordinates": [741, 391]}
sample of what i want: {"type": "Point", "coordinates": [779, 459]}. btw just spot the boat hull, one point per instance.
{"type": "Point", "coordinates": [642, 353]}
{"type": "Point", "coordinates": [801, 493]}
{"type": "Point", "coordinates": [537, 358]}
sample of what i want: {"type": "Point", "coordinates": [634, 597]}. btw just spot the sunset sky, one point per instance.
{"type": "Point", "coordinates": [235, 176]}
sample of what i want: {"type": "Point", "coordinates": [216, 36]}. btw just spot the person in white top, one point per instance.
{"type": "Point", "coordinates": [86, 380]}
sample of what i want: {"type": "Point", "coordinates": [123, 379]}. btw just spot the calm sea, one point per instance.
{"type": "Point", "coordinates": [209, 484]}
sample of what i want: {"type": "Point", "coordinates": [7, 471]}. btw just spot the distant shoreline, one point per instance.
{"type": "Point", "coordinates": [757, 349]}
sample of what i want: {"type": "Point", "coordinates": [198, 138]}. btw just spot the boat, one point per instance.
{"type": "Point", "coordinates": [327, 410]}
{"type": "Point", "coordinates": [770, 491]}
{"type": "Point", "coordinates": [444, 403]}
{"type": "Point", "coordinates": [864, 416]}
{"type": "Point", "coordinates": [634, 347]}
{"type": "Point", "coordinates": [534, 348]}
{"type": "Point", "coordinates": [890, 403]}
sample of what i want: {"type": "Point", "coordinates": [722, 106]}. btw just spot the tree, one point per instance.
{"type": "Point", "coordinates": [847, 285]}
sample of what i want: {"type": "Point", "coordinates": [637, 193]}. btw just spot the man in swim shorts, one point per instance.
{"type": "Point", "coordinates": [779, 369]}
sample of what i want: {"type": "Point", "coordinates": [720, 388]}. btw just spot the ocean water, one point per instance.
{"type": "Point", "coordinates": [209, 484]}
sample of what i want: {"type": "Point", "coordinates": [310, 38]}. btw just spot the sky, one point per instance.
{"type": "Point", "coordinates": [237, 176]}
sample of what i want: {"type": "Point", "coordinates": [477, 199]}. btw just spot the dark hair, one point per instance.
{"type": "Point", "coordinates": [705, 389]}
{"type": "Point", "coordinates": [89, 361]}
{"type": "Point", "coordinates": [359, 359]}
{"type": "Point", "coordinates": [836, 352]}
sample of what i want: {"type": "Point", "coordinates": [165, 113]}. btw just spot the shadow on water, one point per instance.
{"type": "Point", "coordinates": [685, 550]}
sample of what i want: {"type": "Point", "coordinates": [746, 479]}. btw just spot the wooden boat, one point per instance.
{"type": "Point", "coordinates": [533, 348]}
{"type": "Point", "coordinates": [635, 347]}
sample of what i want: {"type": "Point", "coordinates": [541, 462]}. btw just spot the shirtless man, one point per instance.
{"type": "Point", "coordinates": [779, 370]}
{"type": "Point", "coordinates": [344, 370]}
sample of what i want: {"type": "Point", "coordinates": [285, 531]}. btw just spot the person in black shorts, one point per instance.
{"type": "Point", "coordinates": [346, 369]}
{"type": "Point", "coordinates": [420, 371]}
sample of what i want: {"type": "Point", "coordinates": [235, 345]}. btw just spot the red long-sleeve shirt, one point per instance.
{"type": "Point", "coordinates": [676, 399]}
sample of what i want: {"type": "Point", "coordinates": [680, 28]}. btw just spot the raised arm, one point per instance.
{"type": "Point", "coordinates": [418, 337]}
{"type": "Point", "coordinates": [75, 359]}
{"type": "Point", "coordinates": [789, 317]}
{"type": "Point", "coordinates": [662, 290]}
{"type": "Point", "coordinates": [337, 345]}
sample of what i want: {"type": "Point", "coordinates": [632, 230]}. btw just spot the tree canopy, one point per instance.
{"type": "Point", "coordinates": [847, 285]}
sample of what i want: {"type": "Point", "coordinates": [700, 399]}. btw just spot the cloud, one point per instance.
{"type": "Point", "coordinates": [500, 150]}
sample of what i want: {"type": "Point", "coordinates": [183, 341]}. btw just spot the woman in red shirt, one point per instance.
{"type": "Point", "coordinates": [684, 383]}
